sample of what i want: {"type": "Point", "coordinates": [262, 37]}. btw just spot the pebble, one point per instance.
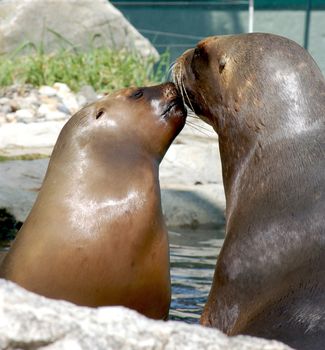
{"type": "Point", "coordinates": [2, 118]}
{"type": "Point", "coordinates": [4, 101]}
{"type": "Point", "coordinates": [47, 91]}
{"type": "Point", "coordinates": [11, 117]}
{"type": "Point", "coordinates": [6, 108]}
{"type": "Point", "coordinates": [25, 115]}
{"type": "Point", "coordinates": [56, 115]}
{"type": "Point", "coordinates": [27, 104]}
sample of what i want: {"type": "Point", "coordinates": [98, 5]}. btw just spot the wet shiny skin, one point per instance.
{"type": "Point", "coordinates": [265, 97]}
{"type": "Point", "coordinates": [96, 234]}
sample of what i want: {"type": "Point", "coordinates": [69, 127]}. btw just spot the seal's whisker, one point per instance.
{"type": "Point", "coordinates": [202, 127]}
{"type": "Point", "coordinates": [196, 127]}
{"type": "Point", "coordinates": [171, 69]}
{"type": "Point", "coordinates": [187, 97]}
{"type": "Point", "coordinates": [191, 114]}
{"type": "Point", "coordinates": [176, 78]}
{"type": "Point", "coordinates": [181, 89]}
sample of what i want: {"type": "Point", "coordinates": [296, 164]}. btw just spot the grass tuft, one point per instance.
{"type": "Point", "coordinates": [102, 68]}
{"type": "Point", "coordinates": [32, 156]}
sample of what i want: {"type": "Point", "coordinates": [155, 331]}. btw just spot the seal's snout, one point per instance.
{"type": "Point", "coordinates": [171, 102]}
{"type": "Point", "coordinates": [169, 91]}
{"type": "Point", "coordinates": [174, 103]}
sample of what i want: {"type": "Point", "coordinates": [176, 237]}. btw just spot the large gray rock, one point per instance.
{"type": "Point", "coordinates": [22, 138]}
{"type": "Point", "coordinates": [28, 321]}
{"type": "Point", "coordinates": [193, 206]}
{"type": "Point", "coordinates": [75, 21]}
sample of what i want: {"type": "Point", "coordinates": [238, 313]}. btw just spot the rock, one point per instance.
{"type": "Point", "coordinates": [2, 118]}
{"type": "Point", "coordinates": [61, 88]}
{"type": "Point", "coordinates": [191, 163]}
{"type": "Point", "coordinates": [26, 104]}
{"type": "Point", "coordinates": [82, 100]}
{"type": "Point", "coordinates": [19, 184]}
{"type": "Point", "coordinates": [4, 101]}
{"type": "Point", "coordinates": [8, 227]}
{"type": "Point", "coordinates": [62, 108]}
{"type": "Point", "coordinates": [14, 105]}
{"type": "Point", "coordinates": [193, 206]}
{"type": "Point", "coordinates": [5, 108]}
{"type": "Point", "coordinates": [56, 115]}
{"type": "Point", "coordinates": [29, 321]}
{"type": "Point", "coordinates": [86, 95]}
{"type": "Point", "coordinates": [70, 102]}
{"type": "Point", "coordinates": [84, 24]}
{"type": "Point", "coordinates": [32, 135]}
{"type": "Point", "coordinates": [46, 108]}
{"type": "Point", "coordinates": [53, 111]}
{"type": "Point", "coordinates": [25, 115]}
{"type": "Point", "coordinates": [32, 99]}
{"type": "Point", "coordinates": [10, 118]}
{"type": "Point", "coordinates": [47, 91]}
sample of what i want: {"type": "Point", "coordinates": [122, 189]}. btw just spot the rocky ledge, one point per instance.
{"type": "Point", "coordinates": [31, 118]}
{"type": "Point", "coordinates": [29, 321]}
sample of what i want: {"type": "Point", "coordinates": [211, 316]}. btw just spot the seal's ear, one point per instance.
{"type": "Point", "coordinates": [99, 113]}
{"type": "Point", "coordinates": [222, 63]}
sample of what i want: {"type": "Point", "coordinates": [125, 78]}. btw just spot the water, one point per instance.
{"type": "Point", "coordinates": [193, 256]}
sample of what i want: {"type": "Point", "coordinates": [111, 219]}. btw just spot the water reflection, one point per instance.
{"type": "Point", "coordinates": [193, 256]}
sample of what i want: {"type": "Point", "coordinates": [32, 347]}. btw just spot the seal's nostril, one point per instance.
{"type": "Point", "coordinates": [137, 94]}
{"type": "Point", "coordinates": [99, 113]}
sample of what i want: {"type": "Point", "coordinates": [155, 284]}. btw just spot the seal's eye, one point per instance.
{"type": "Point", "coordinates": [222, 63]}
{"type": "Point", "coordinates": [99, 113]}
{"type": "Point", "coordinates": [200, 55]}
{"type": "Point", "coordinates": [137, 94]}
{"type": "Point", "coordinates": [197, 53]}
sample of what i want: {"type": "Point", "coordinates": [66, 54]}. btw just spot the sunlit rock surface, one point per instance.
{"type": "Point", "coordinates": [28, 321]}
{"type": "Point", "coordinates": [80, 24]}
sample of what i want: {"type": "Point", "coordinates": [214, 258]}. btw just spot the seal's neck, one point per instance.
{"type": "Point", "coordinates": [236, 150]}
{"type": "Point", "coordinates": [257, 166]}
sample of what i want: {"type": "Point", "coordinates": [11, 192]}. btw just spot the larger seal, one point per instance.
{"type": "Point", "coordinates": [96, 233]}
{"type": "Point", "coordinates": [265, 97]}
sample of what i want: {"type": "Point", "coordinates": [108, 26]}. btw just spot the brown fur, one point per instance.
{"type": "Point", "coordinates": [265, 97]}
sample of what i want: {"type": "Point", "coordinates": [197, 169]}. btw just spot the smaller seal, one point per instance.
{"type": "Point", "coordinates": [265, 97]}
{"type": "Point", "coordinates": [96, 233]}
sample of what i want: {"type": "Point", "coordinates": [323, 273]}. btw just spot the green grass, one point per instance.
{"type": "Point", "coordinates": [23, 157]}
{"type": "Point", "coordinates": [102, 68]}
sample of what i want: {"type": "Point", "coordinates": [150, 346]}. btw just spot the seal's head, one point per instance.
{"type": "Point", "coordinates": [146, 119]}
{"type": "Point", "coordinates": [255, 90]}
{"type": "Point", "coordinates": [250, 81]}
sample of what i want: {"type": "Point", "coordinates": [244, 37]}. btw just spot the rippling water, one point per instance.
{"type": "Point", "coordinates": [193, 256]}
